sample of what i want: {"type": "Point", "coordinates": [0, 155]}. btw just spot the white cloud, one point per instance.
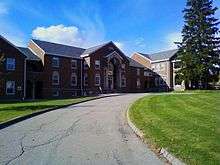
{"type": "Point", "coordinates": [140, 42]}
{"type": "Point", "coordinates": [3, 8]}
{"type": "Point", "coordinates": [171, 38]}
{"type": "Point", "coordinates": [120, 45]}
{"type": "Point", "coordinates": [59, 33]}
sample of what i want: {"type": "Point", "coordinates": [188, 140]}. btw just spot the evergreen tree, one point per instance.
{"type": "Point", "coordinates": [199, 49]}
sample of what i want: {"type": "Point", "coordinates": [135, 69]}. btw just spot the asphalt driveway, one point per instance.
{"type": "Point", "coordinates": [91, 133]}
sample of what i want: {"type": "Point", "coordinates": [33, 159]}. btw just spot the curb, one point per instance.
{"type": "Point", "coordinates": [163, 153]}
{"type": "Point", "coordinates": [22, 118]}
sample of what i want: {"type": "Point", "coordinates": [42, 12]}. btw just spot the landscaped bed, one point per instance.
{"type": "Point", "coordinates": [187, 125]}
{"type": "Point", "coordinates": [10, 110]}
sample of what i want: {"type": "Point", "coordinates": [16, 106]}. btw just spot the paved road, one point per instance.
{"type": "Point", "coordinates": [91, 133]}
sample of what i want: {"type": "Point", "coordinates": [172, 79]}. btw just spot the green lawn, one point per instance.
{"type": "Point", "coordinates": [10, 110]}
{"type": "Point", "coordinates": [188, 126]}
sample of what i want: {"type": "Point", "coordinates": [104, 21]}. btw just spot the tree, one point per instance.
{"type": "Point", "coordinates": [199, 50]}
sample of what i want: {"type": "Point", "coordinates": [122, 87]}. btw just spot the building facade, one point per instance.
{"type": "Point", "coordinates": [164, 66]}
{"type": "Point", "coordinates": [50, 70]}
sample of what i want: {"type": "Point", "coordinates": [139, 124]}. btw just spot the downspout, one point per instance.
{"type": "Point", "coordinates": [81, 78]}
{"type": "Point", "coordinates": [25, 78]}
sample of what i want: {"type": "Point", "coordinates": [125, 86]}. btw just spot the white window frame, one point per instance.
{"type": "Point", "coordinates": [97, 76]}
{"type": "Point", "coordinates": [6, 87]}
{"type": "Point", "coordinates": [85, 65]}
{"type": "Point", "coordinates": [138, 71]}
{"type": "Point", "coordinates": [84, 79]}
{"type": "Point", "coordinates": [73, 75]}
{"type": "Point", "coordinates": [123, 66]}
{"type": "Point", "coordinates": [75, 64]}
{"type": "Point", "coordinates": [57, 63]}
{"type": "Point", "coordinates": [146, 73]}
{"type": "Point", "coordinates": [97, 63]}
{"type": "Point", "coordinates": [55, 73]}
{"type": "Point", "coordinates": [138, 83]}
{"type": "Point", "coordinates": [10, 64]}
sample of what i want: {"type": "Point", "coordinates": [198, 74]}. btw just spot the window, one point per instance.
{"type": "Point", "coordinates": [55, 62]}
{"type": "Point", "coordinates": [97, 64]}
{"type": "Point", "coordinates": [73, 79]}
{"type": "Point", "coordinates": [138, 72]}
{"type": "Point", "coordinates": [138, 83]}
{"type": "Point", "coordinates": [123, 81]}
{"type": "Point", "coordinates": [85, 65]}
{"type": "Point", "coordinates": [153, 67]}
{"type": "Point", "coordinates": [56, 92]}
{"type": "Point", "coordinates": [146, 73]}
{"type": "Point", "coordinates": [73, 64]}
{"type": "Point", "coordinates": [86, 79]}
{"type": "Point", "coordinates": [10, 87]}
{"type": "Point", "coordinates": [10, 63]}
{"type": "Point", "coordinates": [55, 78]}
{"type": "Point", "coordinates": [162, 66]}
{"type": "Point", "coordinates": [123, 66]}
{"type": "Point", "coordinates": [97, 79]}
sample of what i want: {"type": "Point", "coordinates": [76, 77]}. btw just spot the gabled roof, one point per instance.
{"type": "Point", "coordinates": [3, 38]}
{"type": "Point", "coordinates": [134, 63]}
{"type": "Point", "coordinates": [28, 53]}
{"type": "Point", "coordinates": [59, 49]}
{"type": "Point", "coordinates": [164, 55]}
{"type": "Point", "coordinates": [94, 48]}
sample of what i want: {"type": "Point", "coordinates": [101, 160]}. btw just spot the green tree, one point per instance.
{"type": "Point", "coordinates": [199, 49]}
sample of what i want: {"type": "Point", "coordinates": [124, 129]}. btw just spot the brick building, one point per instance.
{"type": "Point", "coordinates": [164, 65]}
{"type": "Point", "coordinates": [50, 70]}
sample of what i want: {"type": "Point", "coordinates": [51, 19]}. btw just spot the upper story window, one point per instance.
{"type": "Point", "coordinates": [55, 62]}
{"type": "Point", "coordinates": [73, 79]}
{"type": "Point", "coordinates": [123, 81]}
{"type": "Point", "coordinates": [162, 66]}
{"type": "Point", "coordinates": [138, 83]}
{"type": "Point", "coordinates": [86, 66]}
{"type": "Point", "coordinates": [86, 82]}
{"type": "Point", "coordinates": [123, 66]}
{"type": "Point", "coordinates": [10, 63]}
{"type": "Point", "coordinates": [73, 64]}
{"type": "Point", "coordinates": [97, 64]}
{"type": "Point", "coordinates": [55, 78]}
{"type": "Point", "coordinates": [97, 80]}
{"type": "Point", "coordinates": [10, 87]}
{"type": "Point", "coordinates": [146, 73]}
{"type": "Point", "coordinates": [138, 72]}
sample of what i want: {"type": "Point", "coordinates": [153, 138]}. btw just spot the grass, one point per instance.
{"type": "Point", "coordinates": [188, 126]}
{"type": "Point", "coordinates": [10, 110]}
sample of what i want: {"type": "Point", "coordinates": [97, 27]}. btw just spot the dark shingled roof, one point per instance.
{"type": "Point", "coordinates": [94, 48]}
{"type": "Point", "coordinates": [28, 53]}
{"type": "Point", "coordinates": [59, 49]}
{"type": "Point", "coordinates": [134, 63]}
{"type": "Point", "coordinates": [161, 55]}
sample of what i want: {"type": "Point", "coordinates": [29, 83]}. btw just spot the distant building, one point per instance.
{"type": "Point", "coordinates": [165, 67]}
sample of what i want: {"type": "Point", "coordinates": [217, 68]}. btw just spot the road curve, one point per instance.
{"type": "Point", "coordinates": [91, 133]}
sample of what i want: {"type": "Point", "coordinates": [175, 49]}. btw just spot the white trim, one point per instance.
{"type": "Point", "coordinates": [38, 46]}
{"type": "Point", "coordinates": [75, 61]}
{"type": "Point", "coordinates": [163, 60]}
{"type": "Point", "coordinates": [75, 76]}
{"type": "Point", "coordinates": [14, 91]}
{"type": "Point", "coordinates": [97, 75]}
{"type": "Point", "coordinates": [58, 77]}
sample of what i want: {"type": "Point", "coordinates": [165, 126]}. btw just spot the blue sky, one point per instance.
{"type": "Point", "coordinates": [134, 25]}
